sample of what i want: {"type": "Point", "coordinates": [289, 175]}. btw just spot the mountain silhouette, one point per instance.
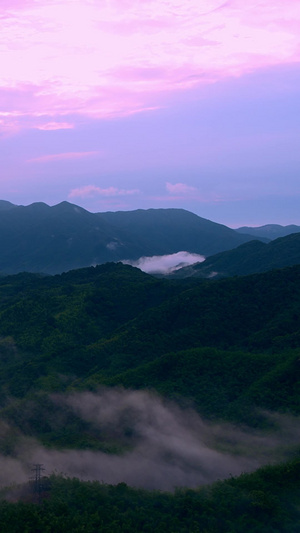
{"type": "Point", "coordinates": [40, 238]}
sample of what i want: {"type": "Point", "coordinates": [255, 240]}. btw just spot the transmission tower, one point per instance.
{"type": "Point", "coordinates": [36, 478]}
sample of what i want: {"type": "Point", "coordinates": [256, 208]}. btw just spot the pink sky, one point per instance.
{"type": "Point", "coordinates": [74, 72]}
{"type": "Point", "coordinates": [117, 57]}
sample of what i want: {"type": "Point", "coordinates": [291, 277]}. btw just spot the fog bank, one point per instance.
{"type": "Point", "coordinates": [165, 446]}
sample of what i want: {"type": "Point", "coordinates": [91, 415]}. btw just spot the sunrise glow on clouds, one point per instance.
{"type": "Point", "coordinates": [183, 192]}
{"type": "Point", "coordinates": [180, 188]}
{"type": "Point", "coordinates": [118, 57]}
{"type": "Point", "coordinates": [50, 126]}
{"type": "Point", "coordinates": [91, 190]}
{"type": "Point", "coordinates": [63, 156]}
{"type": "Point", "coordinates": [126, 104]}
{"type": "Point", "coordinates": [177, 190]}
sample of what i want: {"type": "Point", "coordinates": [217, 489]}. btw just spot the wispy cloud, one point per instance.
{"type": "Point", "coordinates": [50, 126]}
{"type": "Point", "coordinates": [59, 50]}
{"type": "Point", "coordinates": [64, 156]}
{"type": "Point", "coordinates": [91, 190]}
{"type": "Point", "coordinates": [180, 188]}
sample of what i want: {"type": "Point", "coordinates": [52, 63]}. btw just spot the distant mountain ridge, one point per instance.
{"type": "Point", "coordinates": [40, 238]}
{"type": "Point", "coordinates": [269, 231]}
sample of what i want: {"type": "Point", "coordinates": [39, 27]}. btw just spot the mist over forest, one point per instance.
{"type": "Point", "coordinates": [164, 446]}
{"type": "Point", "coordinates": [135, 387]}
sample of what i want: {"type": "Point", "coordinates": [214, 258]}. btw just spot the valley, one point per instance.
{"type": "Point", "coordinates": [146, 389]}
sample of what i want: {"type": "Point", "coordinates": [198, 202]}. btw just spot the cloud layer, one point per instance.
{"type": "Point", "coordinates": [106, 59]}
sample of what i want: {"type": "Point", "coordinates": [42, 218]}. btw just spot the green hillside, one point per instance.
{"type": "Point", "coordinates": [249, 258]}
{"type": "Point", "coordinates": [221, 384]}
{"type": "Point", "coordinates": [114, 324]}
{"type": "Point", "coordinates": [110, 374]}
{"type": "Point", "coordinates": [258, 502]}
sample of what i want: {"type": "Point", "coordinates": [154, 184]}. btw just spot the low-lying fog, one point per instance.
{"type": "Point", "coordinates": [165, 264]}
{"type": "Point", "coordinates": [167, 446]}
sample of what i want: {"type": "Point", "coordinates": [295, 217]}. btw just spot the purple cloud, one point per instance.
{"type": "Point", "coordinates": [51, 126]}
{"type": "Point", "coordinates": [180, 188]}
{"type": "Point", "coordinates": [60, 157]}
{"type": "Point", "coordinates": [55, 56]}
{"type": "Point", "coordinates": [91, 190]}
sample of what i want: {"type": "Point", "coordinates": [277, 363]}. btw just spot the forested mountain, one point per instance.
{"type": "Point", "coordinates": [166, 231]}
{"type": "Point", "coordinates": [269, 231]}
{"type": "Point", "coordinates": [39, 238]}
{"type": "Point", "coordinates": [249, 258]}
{"type": "Point", "coordinates": [107, 373]}
{"type": "Point", "coordinates": [114, 324]}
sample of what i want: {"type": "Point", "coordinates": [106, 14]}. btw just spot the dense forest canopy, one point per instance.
{"type": "Point", "coordinates": [110, 374]}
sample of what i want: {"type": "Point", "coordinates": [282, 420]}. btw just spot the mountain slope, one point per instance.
{"type": "Point", "coordinates": [167, 231]}
{"type": "Point", "coordinates": [249, 258]}
{"type": "Point", "coordinates": [227, 348]}
{"type": "Point", "coordinates": [255, 312]}
{"type": "Point", "coordinates": [4, 205]}
{"type": "Point", "coordinates": [96, 323]}
{"type": "Point", "coordinates": [39, 238]}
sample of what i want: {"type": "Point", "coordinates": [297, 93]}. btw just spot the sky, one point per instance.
{"type": "Point", "coordinates": [135, 104]}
